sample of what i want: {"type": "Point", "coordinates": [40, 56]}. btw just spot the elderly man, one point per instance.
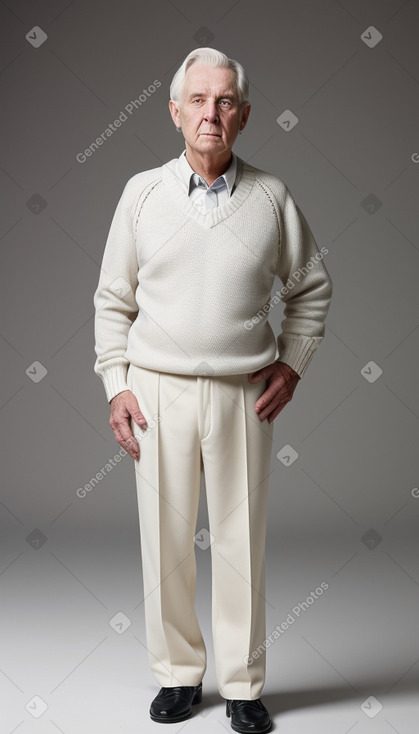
{"type": "Point", "coordinates": [186, 352]}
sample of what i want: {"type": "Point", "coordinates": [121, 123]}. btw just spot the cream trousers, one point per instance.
{"type": "Point", "coordinates": [204, 424]}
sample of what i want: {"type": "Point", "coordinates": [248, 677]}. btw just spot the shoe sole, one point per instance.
{"type": "Point", "coordinates": [171, 720]}
{"type": "Point", "coordinates": [254, 731]}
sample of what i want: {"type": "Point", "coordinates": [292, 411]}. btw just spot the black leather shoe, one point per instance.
{"type": "Point", "coordinates": [175, 704]}
{"type": "Point", "coordinates": [248, 716]}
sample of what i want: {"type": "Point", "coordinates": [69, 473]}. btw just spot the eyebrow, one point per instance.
{"type": "Point", "coordinates": [220, 96]}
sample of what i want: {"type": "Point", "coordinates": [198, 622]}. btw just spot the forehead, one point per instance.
{"type": "Point", "coordinates": [209, 79]}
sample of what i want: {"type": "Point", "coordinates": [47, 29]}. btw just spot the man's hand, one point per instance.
{"type": "Point", "coordinates": [282, 381]}
{"type": "Point", "coordinates": [123, 407]}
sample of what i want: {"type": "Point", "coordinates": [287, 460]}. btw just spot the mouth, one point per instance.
{"type": "Point", "coordinates": [211, 135]}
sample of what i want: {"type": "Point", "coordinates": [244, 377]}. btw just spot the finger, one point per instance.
{"type": "Point", "coordinates": [276, 412]}
{"type": "Point", "coordinates": [270, 407]}
{"type": "Point", "coordinates": [128, 442]}
{"type": "Point", "coordinates": [271, 393]}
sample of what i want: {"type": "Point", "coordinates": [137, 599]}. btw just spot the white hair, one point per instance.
{"type": "Point", "coordinates": [210, 57]}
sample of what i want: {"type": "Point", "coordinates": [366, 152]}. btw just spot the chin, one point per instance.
{"type": "Point", "coordinates": [210, 141]}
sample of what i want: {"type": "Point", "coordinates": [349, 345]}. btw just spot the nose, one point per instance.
{"type": "Point", "coordinates": [211, 112]}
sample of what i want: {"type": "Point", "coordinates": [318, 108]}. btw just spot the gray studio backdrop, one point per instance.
{"type": "Point", "coordinates": [335, 114]}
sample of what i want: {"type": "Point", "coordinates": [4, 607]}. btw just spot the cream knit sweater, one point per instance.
{"type": "Point", "coordinates": [190, 293]}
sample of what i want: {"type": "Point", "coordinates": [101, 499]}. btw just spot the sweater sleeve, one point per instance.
{"type": "Point", "coordinates": [307, 289]}
{"type": "Point", "coordinates": [114, 299]}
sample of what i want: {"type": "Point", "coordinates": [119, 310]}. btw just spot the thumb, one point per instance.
{"type": "Point", "coordinates": [263, 374]}
{"type": "Point", "coordinates": [136, 414]}
{"type": "Point", "coordinates": [256, 376]}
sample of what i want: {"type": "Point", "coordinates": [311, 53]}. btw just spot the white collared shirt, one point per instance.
{"type": "Point", "coordinates": [203, 196]}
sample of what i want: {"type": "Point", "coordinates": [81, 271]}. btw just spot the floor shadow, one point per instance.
{"type": "Point", "coordinates": [288, 700]}
{"type": "Point", "coordinates": [380, 687]}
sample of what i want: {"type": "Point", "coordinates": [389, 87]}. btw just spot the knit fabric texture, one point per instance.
{"type": "Point", "coordinates": [188, 292]}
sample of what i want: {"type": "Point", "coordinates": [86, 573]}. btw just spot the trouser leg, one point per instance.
{"type": "Point", "coordinates": [236, 451]}
{"type": "Point", "coordinates": [168, 483]}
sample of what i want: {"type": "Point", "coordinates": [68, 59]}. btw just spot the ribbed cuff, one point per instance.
{"type": "Point", "coordinates": [115, 380]}
{"type": "Point", "coordinates": [297, 352]}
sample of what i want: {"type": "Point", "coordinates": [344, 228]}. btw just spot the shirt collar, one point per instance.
{"type": "Point", "coordinates": [187, 173]}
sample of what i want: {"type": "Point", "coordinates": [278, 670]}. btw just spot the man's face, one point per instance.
{"type": "Point", "coordinates": [209, 113]}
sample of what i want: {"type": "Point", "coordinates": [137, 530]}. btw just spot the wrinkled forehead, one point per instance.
{"type": "Point", "coordinates": [209, 80]}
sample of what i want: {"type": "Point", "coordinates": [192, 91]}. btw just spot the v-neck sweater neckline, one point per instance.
{"type": "Point", "coordinates": [245, 179]}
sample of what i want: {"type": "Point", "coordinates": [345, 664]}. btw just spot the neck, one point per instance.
{"type": "Point", "coordinates": [207, 166]}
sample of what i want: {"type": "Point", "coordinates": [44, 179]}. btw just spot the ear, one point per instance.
{"type": "Point", "coordinates": [174, 111]}
{"type": "Point", "coordinates": [245, 115]}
